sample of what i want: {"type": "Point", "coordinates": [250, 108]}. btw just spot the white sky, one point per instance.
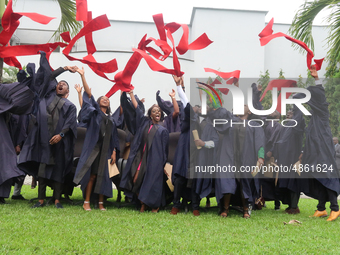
{"type": "Point", "coordinates": [180, 11]}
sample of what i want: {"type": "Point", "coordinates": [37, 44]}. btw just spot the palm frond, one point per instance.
{"type": "Point", "coordinates": [302, 24]}
{"type": "Point", "coordinates": [9, 74]}
{"type": "Point", "coordinates": [333, 40]}
{"type": "Point", "coordinates": [68, 19]}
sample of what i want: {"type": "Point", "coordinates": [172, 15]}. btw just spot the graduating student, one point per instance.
{"type": "Point", "coordinates": [185, 156]}
{"type": "Point", "coordinates": [17, 99]}
{"type": "Point", "coordinates": [270, 191]}
{"type": "Point", "coordinates": [18, 125]}
{"type": "Point", "coordinates": [319, 152]}
{"type": "Point", "coordinates": [172, 121]}
{"type": "Point", "coordinates": [289, 147]}
{"type": "Point", "coordinates": [101, 144]}
{"type": "Point", "coordinates": [337, 152]}
{"type": "Point", "coordinates": [48, 150]}
{"type": "Point", "coordinates": [143, 175]}
{"type": "Point", "coordinates": [206, 158]}
{"type": "Point", "coordinates": [241, 146]}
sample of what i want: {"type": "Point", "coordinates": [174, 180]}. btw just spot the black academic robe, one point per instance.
{"type": "Point", "coordinates": [225, 182]}
{"type": "Point", "coordinates": [129, 118]}
{"type": "Point", "coordinates": [271, 132]}
{"type": "Point", "coordinates": [38, 158]}
{"type": "Point", "coordinates": [15, 98]}
{"type": "Point", "coordinates": [93, 116]}
{"type": "Point", "coordinates": [206, 158]}
{"type": "Point", "coordinates": [289, 147]}
{"type": "Point", "coordinates": [152, 190]}
{"type": "Point", "coordinates": [185, 154]}
{"type": "Point", "coordinates": [170, 123]}
{"type": "Point", "coordinates": [8, 159]}
{"type": "Point", "coordinates": [18, 127]}
{"type": "Point", "coordinates": [319, 148]}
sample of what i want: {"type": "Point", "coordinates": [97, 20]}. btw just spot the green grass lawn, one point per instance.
{"type": "Point", "coordinates": [123, 231]}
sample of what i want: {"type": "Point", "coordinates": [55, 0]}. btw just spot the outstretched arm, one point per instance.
{"type": "Point", "coordinates": [133, 99]}
{"type": "Point", "coordinates": [175, 104]}
{"type": "Point", "coordinates": [120, 106]}
{"type": "Point", "coordinates": [85, 85]}
{"type": "Point", "coordinates": [181, 94]}
{"type": "Point", "coordinates": [60, 70]}
{"type": "Point", "coordinates": [79, 89]}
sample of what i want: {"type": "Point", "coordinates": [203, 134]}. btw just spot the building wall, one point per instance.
{"type": "Point", "coordinates": [236, 46]}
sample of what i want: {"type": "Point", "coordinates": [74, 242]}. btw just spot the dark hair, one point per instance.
{"type": "Point", "coordinates": [150, 109]}
{"type": "Point", "coordinates": [68, 87]}
{"type": "Point", "coordinates": [108, 110]}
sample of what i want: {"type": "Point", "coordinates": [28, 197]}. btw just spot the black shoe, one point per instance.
{"type": "Point", "coordinates": [59, 206]}
{"type": "Point", "coordinates": [2, 200]}
{"type": "Point", "coordinates": [19, 197]}
{"type": "Point", "coordinates": [37, 205]}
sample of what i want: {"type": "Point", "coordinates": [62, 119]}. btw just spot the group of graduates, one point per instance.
{"type": "Point", "coordinates": [39, 132]}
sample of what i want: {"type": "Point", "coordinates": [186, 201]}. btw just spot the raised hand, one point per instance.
{"type": "Point", "coordinates": [80, 71]}
{"type": "Point", "coordinates": [172, 94]}
{"type": "Point", "coordinates": [72, 69]}
{"type": "Point", "coordinates": [78, 88]}
{"type": "Point", "coordinates": [313, 72]}
{"type": "Point", "coordinates": [177, 79]}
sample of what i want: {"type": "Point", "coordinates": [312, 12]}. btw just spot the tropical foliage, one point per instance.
{"type": "Point", "coordinates": [68, 21]}
{"type": "Point", "coordinates": [302, 25]}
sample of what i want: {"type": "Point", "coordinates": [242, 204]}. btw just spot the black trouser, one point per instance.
{"type": "Point", "coordinates": [179, 187]}
{"type": "Point", "coordinates": [277, 196]}
{"type": "Point", "coordinates": [294, 199]}
{"type": "Point", "coordinates": [57, 189]}
{"type": "Point", "coordinates": [332, 196]}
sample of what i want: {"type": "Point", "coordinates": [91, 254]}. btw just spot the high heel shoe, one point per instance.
{"type": "Point", "coordinates": [86, 202]}
{"type": "Point", "coordinates": [102, 209]}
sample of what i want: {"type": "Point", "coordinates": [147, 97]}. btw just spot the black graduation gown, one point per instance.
{"type": "Point", "coordinates": [152, 190]}
{"type": "Point", "coordinates": [18, 127]}
{"type": "Point", "coordinates": [225, 182]}
{"type": "Point", "coordinates": [15, 98]}
{"type": "Point", "coordinates": [38, 157]}
{"type": "Point", "coordinates": [271, 132]}
{"type": "Point", "coordinates": [8, 159]}
{"type": "Point", "coordinates": [130, 116]}
{"type": "Point", "coordinates": [185, 154]}
{"type": "Point", "coordinates": [93, 117]}
{"type": "Point", "coordinates": [289, 147]}
{"type": "Point", "coordinates": [171, 124]}
{"type": "Point", "coordinates": [205, 158]}
{"type": "Point", "coordinates": [319, 147]}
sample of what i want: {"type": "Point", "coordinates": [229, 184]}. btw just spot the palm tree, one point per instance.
{"type": "Point", "coordinates": [68, 18]}
{"type": "Point", "coordinates": [68, 21]}
{"type": "Point", "coordinates": [301, 28]}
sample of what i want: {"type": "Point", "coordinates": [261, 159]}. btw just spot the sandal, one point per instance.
{"type": "Point", "coordinates": [155, 210]}
{"type": "Point", "coordinates": [102, 203]}
{"type": "Point", "coordinates": [246, 214]}
{"type": "Point", "coordinates": [142, 208]}
{"type": "Point", "coordinates": [224, 214]}
{"type": "Point", "coordinates": [86, 202]}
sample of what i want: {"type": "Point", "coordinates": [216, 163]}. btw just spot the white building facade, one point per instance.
{"type": "Point", "coordinates": [235, 46]}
